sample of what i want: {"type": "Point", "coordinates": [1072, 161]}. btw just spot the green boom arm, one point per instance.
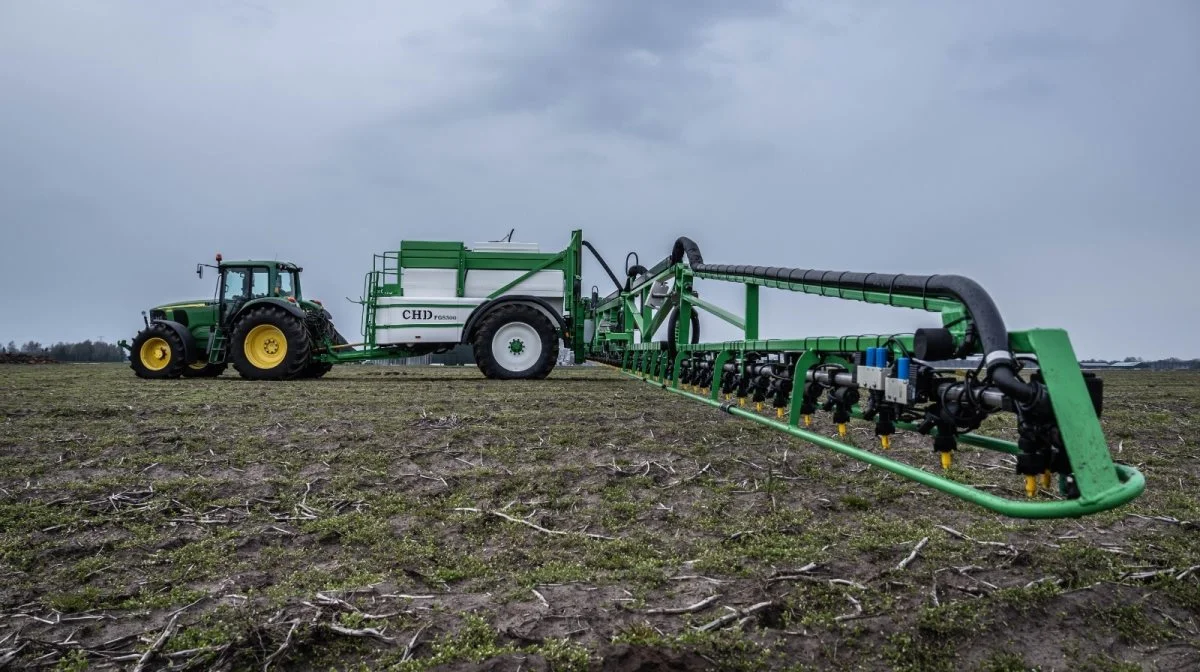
{"type": "Point", "coordinates": [1056, 409]}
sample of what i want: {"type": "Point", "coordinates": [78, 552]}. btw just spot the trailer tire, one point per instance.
{"type": "Point", "coordinates": [158, 353]}
{"type": "Point", "coordinates": [269, 343]}
{"type": "Point", "coordinates": [516, 341]}
{"type": "Point", "coordinates": [202, 369]}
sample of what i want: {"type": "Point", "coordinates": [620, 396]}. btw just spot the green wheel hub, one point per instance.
{"type": "Point", "coordinates": [516, 346]}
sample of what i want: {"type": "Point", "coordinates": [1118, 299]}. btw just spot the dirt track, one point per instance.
{"type": "Point", "coordinates": [435, 518]}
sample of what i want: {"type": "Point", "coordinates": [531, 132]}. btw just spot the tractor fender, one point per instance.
{"type": "Point", "coordinates": [281, 303]}
{"type": "Point", "coordinates": [477, 315]}
{"type": "Point", "coordinates": [189, 341]}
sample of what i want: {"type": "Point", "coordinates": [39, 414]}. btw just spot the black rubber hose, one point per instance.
{"type": "Point", "coordinates": [604, 264]}
{"type": "Point", "coordinates": [672, 323]}
{"type": "Point", "coordinates": [633, 272]}
{"type": "Point", "coordinates": [685, 246]}
{"type": "Point", "coordinates": [993, 334]}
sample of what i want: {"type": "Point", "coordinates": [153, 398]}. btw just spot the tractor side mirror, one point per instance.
{"type": "Point", "coordinates": [200, 271]}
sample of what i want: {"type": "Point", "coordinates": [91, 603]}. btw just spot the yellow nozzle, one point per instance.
{"type": "Point", "coordinates": [842, 429]}
{"type": "Point", "coordinates": [1030, 486]}
{"type": "Point", "coordinates": [885, 441]}
{"type": "Point", "coordinates": [758, 406]}
{"type": "Point", "coordinates": [1047, 479]}
{"type": "Point", "coordinates": [808, 421]}
{"type": "Point", "coordinates": [947, 459]}
{"type": "Point", "coordinates": [728, 397]}
{"type": "Point", "coordinates": [779, 413]}
{"type": "Point", "coordinates": [741, 401]}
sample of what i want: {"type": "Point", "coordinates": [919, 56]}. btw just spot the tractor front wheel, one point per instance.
{"type": "Point", "coordinates": [158, 353]}
{"type": "Point", "coordinates": [270, 343]}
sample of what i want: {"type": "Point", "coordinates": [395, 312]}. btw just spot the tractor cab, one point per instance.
{"type": "Point", "coordinates": [243, 281]}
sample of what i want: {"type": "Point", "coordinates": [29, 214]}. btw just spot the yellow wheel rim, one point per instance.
{"type": "Point", "coordinates": [155, 354]}
{"type": "Point", "coordinates": [265, 346]}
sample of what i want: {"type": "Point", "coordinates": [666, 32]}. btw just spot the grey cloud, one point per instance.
{"type": "Point", "coordinates": [1037, 147]}
{"type": "Point", "coordinates": [624, 66]}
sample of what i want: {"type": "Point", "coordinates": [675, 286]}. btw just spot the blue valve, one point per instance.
{"type": "Point", "coordinates": [902, 368]}
{"type": "Point", "coordinates": [871, 357]}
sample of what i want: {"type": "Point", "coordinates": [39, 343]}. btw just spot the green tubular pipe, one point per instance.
{"type": "Point", "coordinates": [1132, 482]}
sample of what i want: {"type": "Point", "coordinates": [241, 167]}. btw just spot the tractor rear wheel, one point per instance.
{"type": "Point", "coordinates": [269, 343]}
{"type": "Point", "coordinates": [202, 369]}
{"type": "Point", "coordinates": [158, 353]}
{"type": "Point", "coordinates": [316, 370]}
{"type": "Point", "coordinates": [516, 341]}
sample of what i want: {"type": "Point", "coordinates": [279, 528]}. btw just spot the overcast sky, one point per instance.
{"type": "Point", "coordinates": [1047, 149]}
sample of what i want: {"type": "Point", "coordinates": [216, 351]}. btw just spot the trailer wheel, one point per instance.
{"type": "Point", "coordinates": [269, 344]}
{"type": "Point", "coordinates": [202, 369]}
{"type": "Point", "coordinates": [158, 353]}
{"type": "Point", "coordinates": [516, 341]}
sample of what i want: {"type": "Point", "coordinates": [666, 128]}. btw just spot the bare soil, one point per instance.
{"type": "Point", "coordinates": [426, 518]}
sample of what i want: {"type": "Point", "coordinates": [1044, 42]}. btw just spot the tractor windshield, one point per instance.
{"type": "Point", "coordinates": [246, 282]}
{"type": "Point", "coordinates": [235, 283]}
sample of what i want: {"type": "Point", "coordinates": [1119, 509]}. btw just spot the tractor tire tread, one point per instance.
{"type": "Point", "coordinates": [316, 370]}
{"type": "Point", "coordinates": [173, 369]}
{"type": "Point", "coordinates": [209, 371]}
{"type": "Point", "coordinates": [299, 344]}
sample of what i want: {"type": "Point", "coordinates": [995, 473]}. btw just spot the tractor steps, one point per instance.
{"type": "Point", "coordinates": [218, 346]}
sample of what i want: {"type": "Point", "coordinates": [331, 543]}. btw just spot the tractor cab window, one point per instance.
{"type": "Point", "coordinates": [285, 287]}
{"type": "Point", "coordinates": [261, 283]}
{"type": "Point", "coordinates": [235, 283]}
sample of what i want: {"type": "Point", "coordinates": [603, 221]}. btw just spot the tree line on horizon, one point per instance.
{"type": "Point", "coordinates": [101, 351]}
{"type": "Point", "coordinates": [82, 351]}
{"type": "Point", "coordinates": [1168, 364]}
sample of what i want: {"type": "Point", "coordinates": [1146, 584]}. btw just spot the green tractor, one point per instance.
{"type": "Point", "coordinates": [259, 322]}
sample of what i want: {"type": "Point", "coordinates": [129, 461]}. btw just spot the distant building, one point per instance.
{"type": "Point", "coordinates": [1129, 365]}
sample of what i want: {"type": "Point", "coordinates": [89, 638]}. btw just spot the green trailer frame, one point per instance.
{"type": "Point", "coordinates": [384, 280]}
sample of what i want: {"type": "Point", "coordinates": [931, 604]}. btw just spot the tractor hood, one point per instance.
{"type": "Point", "coordinates": [199, 309]}
{"type": "Point", "coordinates": [173, 310]}
{"type": "Point", "coordinates": [186, 305]}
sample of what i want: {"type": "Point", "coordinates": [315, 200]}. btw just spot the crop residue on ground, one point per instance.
{"type": "Point", "coordinates": [410, 518]}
